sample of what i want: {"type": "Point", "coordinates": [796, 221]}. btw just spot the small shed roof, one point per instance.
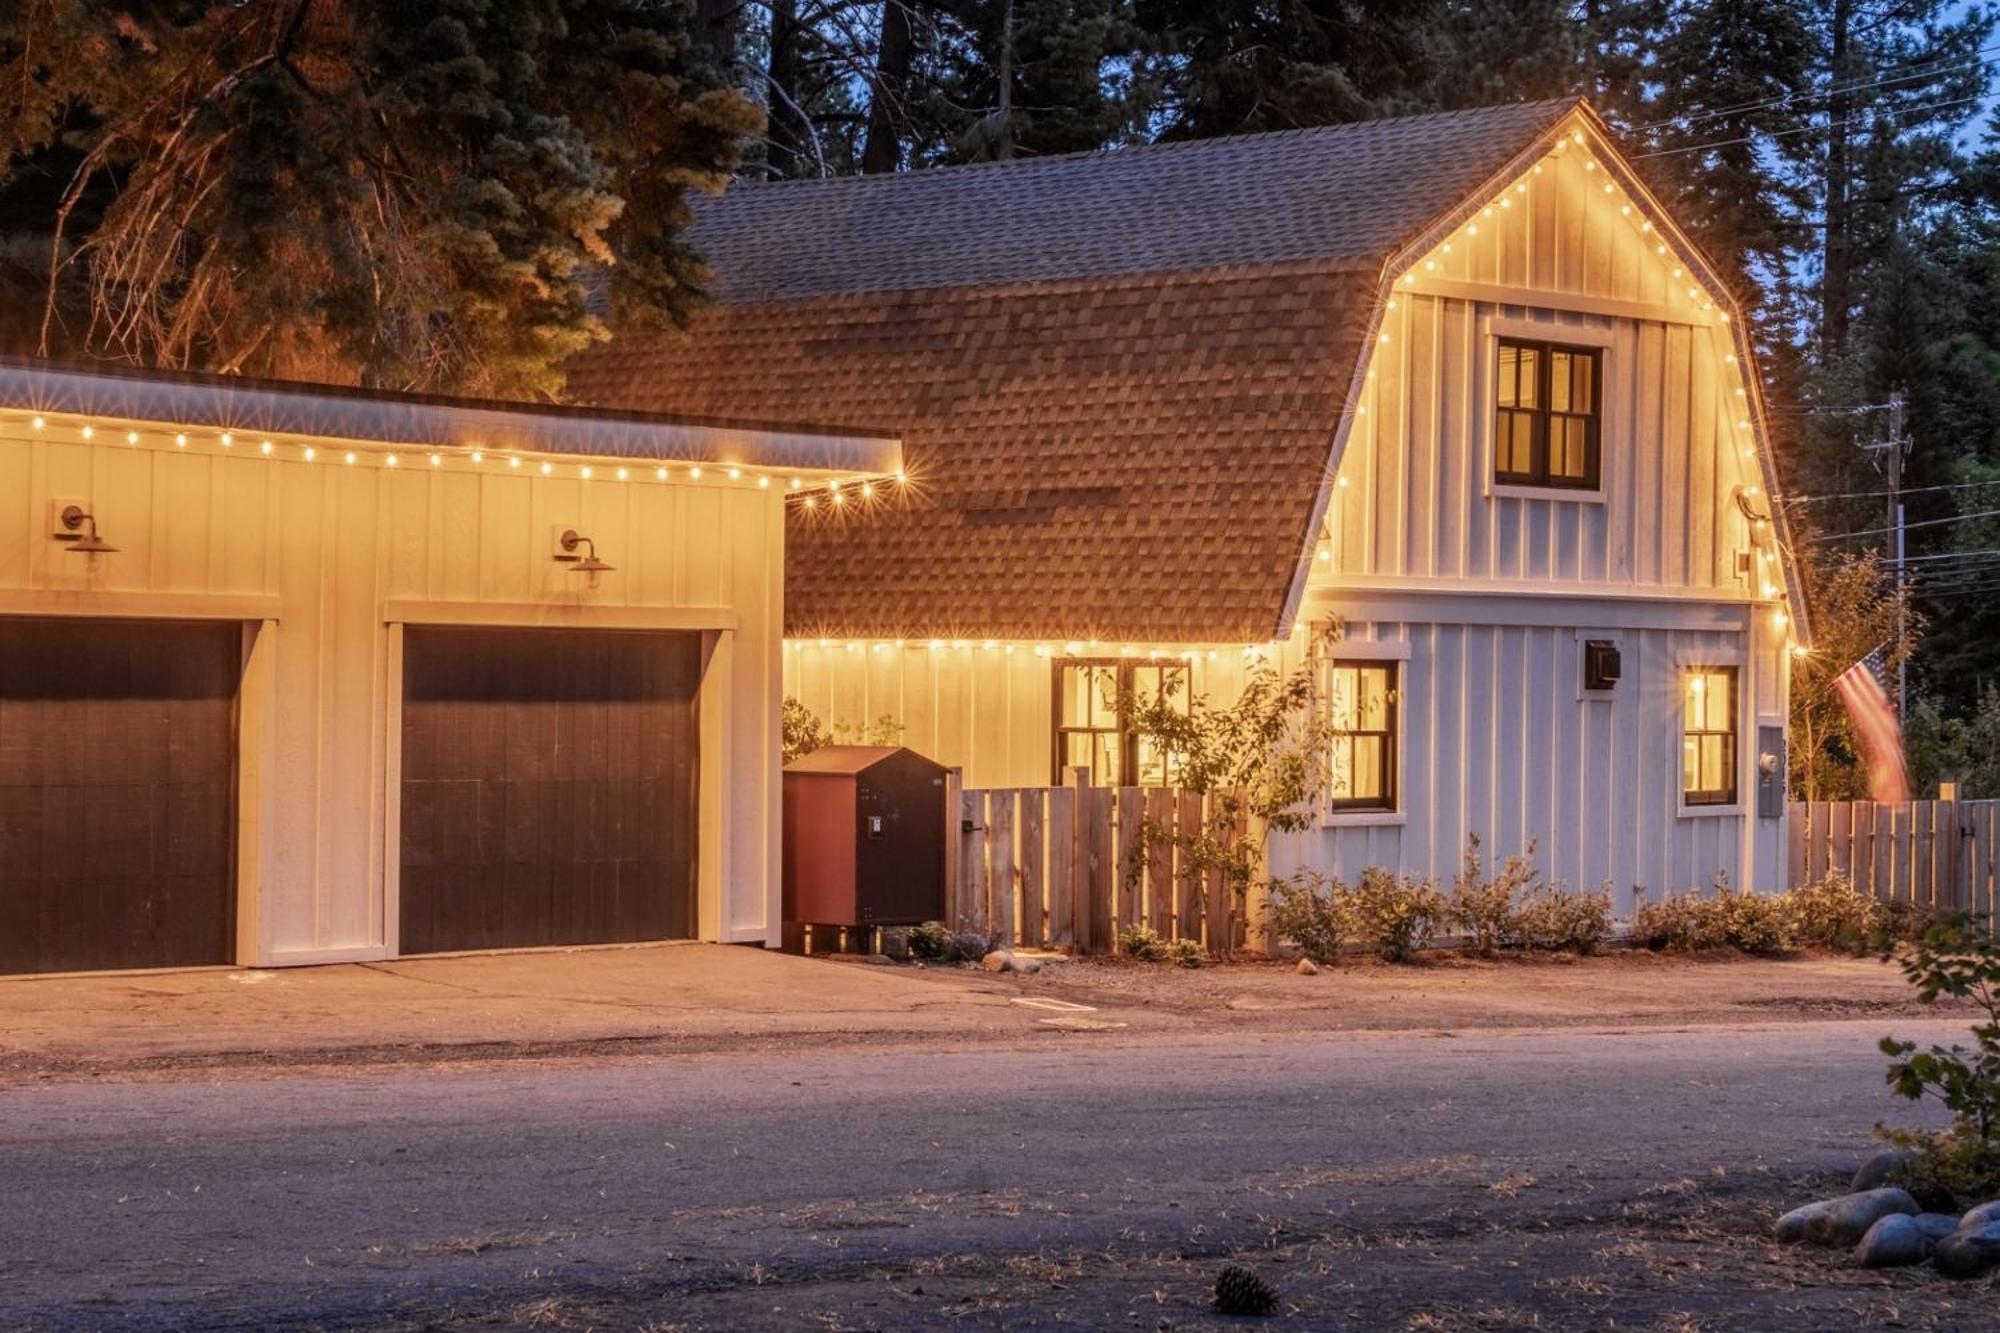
{"type": "Point", "coordinates": [420, 421]}
{"type": "Point", "coordinates": [848, 759]}
{"type": "Point", "coordinates": [1120, 376]}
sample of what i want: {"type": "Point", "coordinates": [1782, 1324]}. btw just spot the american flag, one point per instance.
{"type": "Point", "coordinates": [1877, 731]}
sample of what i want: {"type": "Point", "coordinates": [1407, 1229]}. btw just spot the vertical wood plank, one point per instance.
{"type": "Point", "coordinates": [1816, 846]}
{"type": "Point", "coordinates": [954, 846]}
{"type": "Point", "coordinates": [1034, 867]}
{"type": "Point", "coordinates": [1002, 877]}
{"type": "Point", "coordinates": [1061, 879]}
{"type": "Point", "coordinates": [1101, 870]}
{"type": "Point", "coordinates": [1160, 861]}
{"type": "Point", "coordinates": [1840, 837]}
{"type": "Point", "coordinates": [1862, 816]}
{"type": "Point", "coordinates": [1923, 877]}
{"type": "Point", "coordinates": [1221, 937]}
{"type": "Point", "coordinates": [972, 874]}
{"type": "Point", "coordinates": [1798, 828]}
{"type": "Point", "coordinates": [1947, 857]}
{"type": "Point", "coordinates": [1129, 873]}
{"type": "Point", "coordinates": [1884, 883]}
{"type": "Point", "coordinates": [1188, 882]}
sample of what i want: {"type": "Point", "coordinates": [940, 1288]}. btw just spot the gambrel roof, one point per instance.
{"type": "Point", "coordinates": [1120, 377]}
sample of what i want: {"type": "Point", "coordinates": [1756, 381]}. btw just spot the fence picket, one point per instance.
{"type": "Point", "coordinates": [1130, 872]}
{"type": "Point", "coordinates": [972, 862]}
{"type": "Point", "coordinates": [1220, 937]}
{"type": "Point", "coordinates": [1160, 862]}
{"type": "Point", "coordinates": [1187, 878]}
{"type": "Point", "coordinates": [1062, 876]}
{"type": "Point", "coordinates": [1034, 867]}
{"type": "Point", "coordinates": [1101, 872]}
{"type": "Point", "coordinates": [1003, 882]}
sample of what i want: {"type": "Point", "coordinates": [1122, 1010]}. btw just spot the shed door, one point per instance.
{"type": "Point", "coordinates": [117, 766]}
{"type": "Point", "coordinates": [549, 785]}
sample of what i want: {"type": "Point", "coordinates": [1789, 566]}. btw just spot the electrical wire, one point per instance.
{"type": "Point", "coordinates": [1928, 71]}
{"type": "Point", "coordinates": [1907, 490]}
{"type": "Point", "coordinates": [1920, 523]}
{"type": "Point", "coordinates": [1805, 129]}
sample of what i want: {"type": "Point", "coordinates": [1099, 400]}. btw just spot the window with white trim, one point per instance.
{"type": "Point", "coordinates": [1364, 718]}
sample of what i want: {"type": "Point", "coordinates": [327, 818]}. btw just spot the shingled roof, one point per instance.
{"type": "Point", "coordinates": [1118, 376]}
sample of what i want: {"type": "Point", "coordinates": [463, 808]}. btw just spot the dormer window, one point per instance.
{"type": "Point", "coordinates": [1547, 424]}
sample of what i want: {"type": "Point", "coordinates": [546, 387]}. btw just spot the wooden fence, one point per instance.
{"type": "Point", "coordinates": [1070, 867]}
{"type": "Point", "coordinates": [1936, 854]}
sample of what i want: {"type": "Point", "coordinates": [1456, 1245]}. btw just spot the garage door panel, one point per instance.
{"type": "Point", "coordinates": [558, 834]}
{"type": "Point", "coordinates": [117, 755]}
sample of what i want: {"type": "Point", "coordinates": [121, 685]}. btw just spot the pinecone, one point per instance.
{"type": "Point", "coordinates": [1239, 1291]}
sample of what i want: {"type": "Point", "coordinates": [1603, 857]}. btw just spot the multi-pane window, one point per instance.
{"type": "Point", "coordinates": [1708, 736]}
{"type": "Point", "coordinates": [1361, 702]}
{"type": "Point", "coordinates": [1093, 723]}
{"type": "Point", "coordinates": [1547, 414]}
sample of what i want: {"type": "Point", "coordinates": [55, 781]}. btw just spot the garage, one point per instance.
{"type": "Point", "coordinates": [549, 787]}
{"type": "Point", "coordinates": [117, 743]}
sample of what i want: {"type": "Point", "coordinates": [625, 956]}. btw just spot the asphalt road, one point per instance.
{"type": "Point", "coordinates": [1088, 1179]}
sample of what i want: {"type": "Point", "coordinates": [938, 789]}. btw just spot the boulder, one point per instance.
{"type": "Point", "coordinates": [1845, 1220]}
{"type": "Point", "coordinates": [1307, 968]}
{"type": "Point", "coordinates": [1969, 1251]}
{"type": "Point", "coordinates": [1890, 1167]}
{"type": "Point", "coordinates": [1935, 1226]}
{"type": "Point", "coordinates": [896, 942]}
{"type": "Point", "coordinates": [997, 961]}
{"type": "Point", "coordinates": [1980, 1216]}
{"type": "Point", "coordinates": [1027, 967]}
{"type": "Point", "coordinates": [1895, 1241]}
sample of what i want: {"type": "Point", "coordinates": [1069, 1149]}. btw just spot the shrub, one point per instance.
{"type": "Point", "coordinates": [1958, 957]}
{"type": "Point", "coordinates": [1554, 918]}
{"type": "Point", "coordinates": [801, 731]}
{"type": "Point", "coordinates": [1394, 915]}
{"type": "Point", "coordinates": [1311, 911]}
{"type": "Point", "coordinates": [931, 940]}
{"type": "Point", "coordinates": [1143, 943]}
{"type": "Point", "coordinates": [1485, 908]}
{"type": "Point", "coordinates": [1833, 913]}
{"type": "Point", "coordinates": [1185, 953]}
{"type": "Point", "coordinates": [1754, 923]}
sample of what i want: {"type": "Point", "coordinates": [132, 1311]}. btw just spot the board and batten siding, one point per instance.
{"type": "Point", "coordinates": [319, 558]}
{"type": "Point", "coordinates": [1483, 593]}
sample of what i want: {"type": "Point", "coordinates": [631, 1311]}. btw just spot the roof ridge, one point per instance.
{"type": "Point", "coordinates": [1156, 146]}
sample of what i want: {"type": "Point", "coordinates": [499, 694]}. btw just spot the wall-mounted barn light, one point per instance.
{"type": "Point", "coordinates": [580, 564]}
{"type": "Point", "coordinates": [79, 529]}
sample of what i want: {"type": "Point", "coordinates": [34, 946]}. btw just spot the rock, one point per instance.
{"type": "Point", "coordinates": [1307, 968]}
{"type": "Point", "coordinates": [1980, 1216]}
{"type": "Point", "coordinates": [896, 942]}
{"type": "Point", "coordinates": [1027, 967]}
{"type": "Point", "coordinates": [1845, 1220]}
{"type": "Point", "coordinates": [880, 960]}
{"type": "Point", "coordinates": [1968, 1252]}
{"type": "Point", "coordinates": [1935, 1226]}
{"type": "Point", "coordinates": [1890, 1167]}
{"type": "Point", "coordinates": [997, 961]}
{"type": "Point", "coordinates": [1895, 1241]}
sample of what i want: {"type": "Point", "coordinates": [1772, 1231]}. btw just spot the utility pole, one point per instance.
{"type": "Point", "coordinates": [1894, 448]}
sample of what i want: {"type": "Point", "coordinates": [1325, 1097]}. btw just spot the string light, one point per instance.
{"type": "Point", "coordinates": [622, 474]}
{"type": "Point", "coordinates": [659, 474]}
{"type": "Point", "coordinates": [228, 440]}
{"type": "Point", "coordinates": [88, 431]}
{"type": "Point", "coordinates": [180, 441]}
{"type": "Point", "coordinates": [265, 448]}
{"type": "Point", "coordinates": [390, 461]}
{"type": "Point", "coordinates": [349, 459]}
{"type": "Point", "coordinates": [131, 437]}
{"type": "Point", "coordinates": [437, 460]}
{"type": "Point", "coordinates": [39, 423]}
{"type": "Point", "coordinates": [309, 454]}
{"type": "Point", "coordinates": [478, 457]}
{"type": "Point", "coordinates": [583, 471]}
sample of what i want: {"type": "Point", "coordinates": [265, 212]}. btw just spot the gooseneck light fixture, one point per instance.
{"type": "Point", "coordinates": [79, 529]}
{"type": "Point", "coordinates": [588, 563]}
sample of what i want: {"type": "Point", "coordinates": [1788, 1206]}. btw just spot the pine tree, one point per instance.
{"type": "Point", "coordinates": [392, 194]}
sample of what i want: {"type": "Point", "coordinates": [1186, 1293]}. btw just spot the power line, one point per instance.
{"type": "Point", "coordinates": [1907, 490]}
{"type": "Point", "coordinates": [1922, 523]}
{"type": "Point", "coordinates": [1803, 129]}
{"type": "Point", "coordinates": [1934, 69]}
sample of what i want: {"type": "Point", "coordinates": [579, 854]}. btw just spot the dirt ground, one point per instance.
{"type": "Point", "coordinates": [654, 1000]}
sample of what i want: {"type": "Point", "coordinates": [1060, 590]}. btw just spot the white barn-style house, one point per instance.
{"type": "Point", "coordinates": [1456, 385]}
{"type": "Point", "coordinates": [291, 674]}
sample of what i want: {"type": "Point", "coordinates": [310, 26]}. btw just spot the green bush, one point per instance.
{"type": "Point", "coordinates": [1553, 919]}
{"type": "Point", "coordinates": [1143, 943]}
{"type": "Point", "coordinates": [1310, 910]}
{"type": "Point", "coordinates": [931, 940]}
{"type": "Point", "coordinates": [1185, 953]}
{"type": "Point", "coordinates": [1691, 922]}
{"type": "Point", "coordinates": [1833, 914]}
{"type": "Point", "coordinates": [1394, 915]}
{"type": "Point", "coordinates": [1485, 907]}
{"type": "Point", "coordinates": [1958, 957]}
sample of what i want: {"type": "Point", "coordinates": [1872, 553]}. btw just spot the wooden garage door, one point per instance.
{"type": "Point", "coordinates": [117, 743]}
{"type": "Point", "coordinates": [548, 787]}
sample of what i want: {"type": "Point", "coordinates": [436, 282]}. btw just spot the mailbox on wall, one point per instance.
{"type": "Point", "coordinates": [1771, 768]}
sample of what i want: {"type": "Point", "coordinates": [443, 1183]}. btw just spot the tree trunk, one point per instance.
{"type": "Point", "coordinates": [1003, 146]}
{"type": "Point", "coordinates": [1836, 254]}
{"type": "Point", "coordinates": [715, 24]}
{"type": "Point", "coordinates": [785, 134]}
{"type": "Point", "coordinates": [882, 151]}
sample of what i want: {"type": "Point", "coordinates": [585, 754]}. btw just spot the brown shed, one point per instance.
{"type": "Point", "coordinates": [864, 829]}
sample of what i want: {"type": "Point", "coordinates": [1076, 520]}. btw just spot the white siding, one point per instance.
{"type": "Point", "coordinates": [326, 547]}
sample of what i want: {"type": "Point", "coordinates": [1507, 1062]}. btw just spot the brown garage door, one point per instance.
{"type": "Point", "coordinates": [548, 787]}
{"type": "Point", "coordinates": [117, 743]}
